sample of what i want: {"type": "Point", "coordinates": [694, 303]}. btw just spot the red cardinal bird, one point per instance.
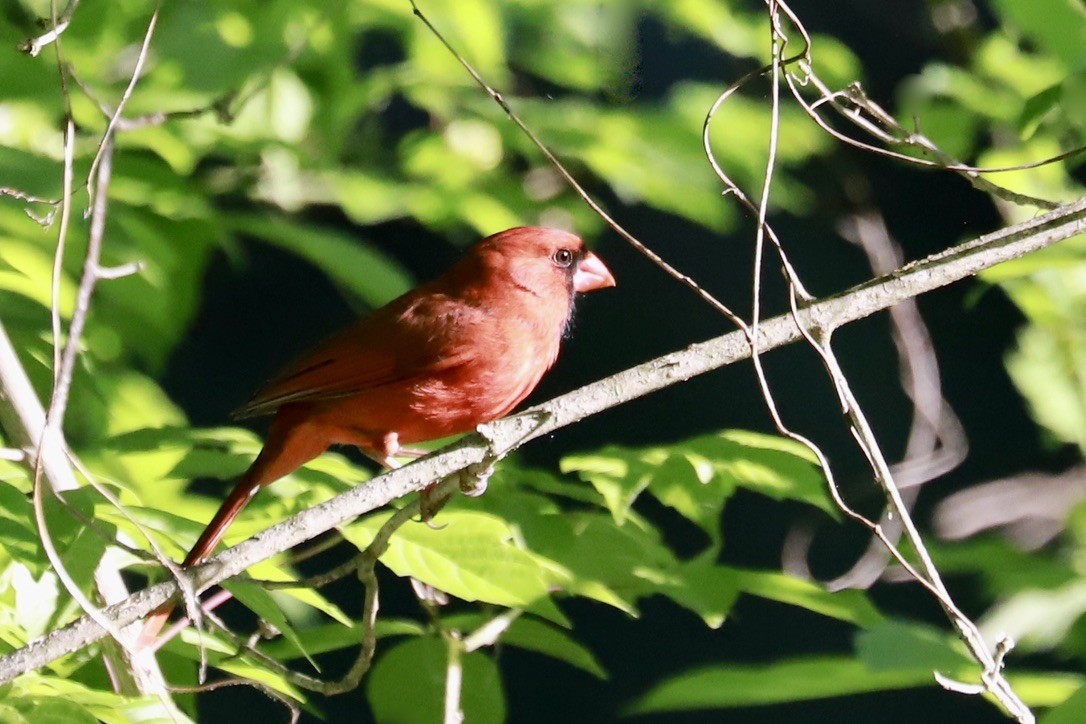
{"type": "Point", "coordinates": [440, 360]}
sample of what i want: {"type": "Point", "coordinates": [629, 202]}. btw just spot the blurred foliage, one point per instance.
{"type": "Point", "coordinates": [1018, 99]}
{"type": "Point", "coordinates": [277, 108]}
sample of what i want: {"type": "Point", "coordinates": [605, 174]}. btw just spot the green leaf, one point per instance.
{"type": "Point", "coordinates": [590, 48]}
{"type": "Point", "coordinates": [333, 637]}
{"type": "Point", "coordinates": [620, 564]}
{"type": "Point", "coordinates": [152, 438]}
{"type": "Point", "coordinates": [18, 533]}
{"type": "Point", "coordinates": [527, 633]}
{"type": "Point", "coordinates": [33, 694]}
{"type": "Point", "coordinates": [686, 482]}
{"type": "Point", "coordinates": [260, 602]}
{"type": "Point", "coordinates": [152, 309]}
{"type": "Point", "coordinates": [1046, 367]}
{"type": "Point", "coordinates": [533, 635]}
{"type": "Point", "coordinates": [208, 462]}
{"type": "Point", "coordinates": [1071, 711]}
{"type": "Point", "coordinates": [26, 269]}
{"type": "Point", "coordinates": [309, 598]}
{"type": "Point", "coordinates": [704, 588]}
{"type": "Point", "coordinates": [59, 711]}
{"type": "Point", "coordinates": [11, 715]}
{"type": "Point", "coordinates": [729, 686]}
{"type": "Point", "coordinates": [1058, 26]}
{"type": "Point", "coordinates": [1073, 98]}
{"type": "Point", "coordinates": [1004, 567]}
{"type": "Point", "coordinates": [1036, 108]}
{"type": "Point", "coordinates": [36, 600]}
{"type": "Point", "coordinates": [616, 474]}
{"type": "Point", "coordinates": [419, 665]}
{"type": "Point", "coordinates": [1038, 620]}
{"type": "Point", "coordinates": [198, 646]}
{"type": "Point", "coordinates": [1045, 688]}
{"type": "Point", "coordinates": [696, 476]}
{"type": "Point", "coordinates": [768, 464]}
{"type": "Point", "coordinates": [472, 556]}
{"type": "Point", "coordinates": [897, 645]}
{"type": "Point", "coordinates": [603, 561]}
{"type": "Point", "coordinates": [851, 605]}
{"type": "Point", "coordinates": [653, 157]}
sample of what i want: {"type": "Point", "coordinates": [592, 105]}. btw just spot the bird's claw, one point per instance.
{"type": "Point", "coordinates": [474, 478]}
{"type": "Point", "coordinates": [472, 481]}
{"type": "Point", "coordinates": [430, 501]}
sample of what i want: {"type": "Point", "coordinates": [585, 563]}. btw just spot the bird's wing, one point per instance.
{"type": "Point", "coordinates": [415, 336]}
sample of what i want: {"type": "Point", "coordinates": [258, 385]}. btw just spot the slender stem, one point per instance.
{"type": "Point", "coordinates": [454, 678]}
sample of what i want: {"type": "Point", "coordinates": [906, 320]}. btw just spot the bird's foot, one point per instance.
{"type": "Point", "coordinates": [432, 500]}
{"type": "Point", "coordinates": [472, 482]}
{"type": "Point", "coordinates": [474, 478]}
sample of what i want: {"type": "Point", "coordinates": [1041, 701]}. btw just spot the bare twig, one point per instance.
{"type": "Point", "coordinates": [819, 338]}
{"type": "Point", "coordinates": [291, 706]}
{"type": "Point", "coordinates": [454, 677]}
{"type": "Point", "coordinates": [854, 106]}
{"type": "Point", "coordinates": [833, 312]}
{"type": "Point", "coordinates": [62, 237]}
{"type": "Point", "coordinates": [118, 112]}
{"type": "Point", "coordinates": [34, 46]}
{"type": "Point", "coordinates": [132, 672]}
{"type": "Point", "coordinates": [490, 632]}
{"type": "Point", "coordinates": [936, 442]}
{"type": "Point", "coordinates": [45, 219]}
{"type": "Point", "coordinates": [54, 417]}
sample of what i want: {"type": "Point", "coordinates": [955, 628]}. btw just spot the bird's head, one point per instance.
{"type": "Point", "coordinates": [547, 263]}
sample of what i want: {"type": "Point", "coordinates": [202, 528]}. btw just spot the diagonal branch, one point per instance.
{"type": "Point", "coordinates": [501, 437]}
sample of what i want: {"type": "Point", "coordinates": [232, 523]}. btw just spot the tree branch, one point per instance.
{"type": "Point", "coordinates": [499, 438]}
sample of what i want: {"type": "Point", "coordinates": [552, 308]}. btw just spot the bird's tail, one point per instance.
{"type": "Point", "coordinates": [290, 445]}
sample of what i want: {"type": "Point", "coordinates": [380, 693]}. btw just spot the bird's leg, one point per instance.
{"type": "Point", "coordinates": [385, 452]}
{"type": "Point", "coordinates": [430, 502]}
{"type": "Point", "coordinates": [472, 480]}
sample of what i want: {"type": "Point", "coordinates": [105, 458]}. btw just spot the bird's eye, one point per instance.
{"type": "Point", "coordinates": [563, 257]}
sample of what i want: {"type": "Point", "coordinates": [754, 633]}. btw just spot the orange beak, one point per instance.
{"type": "Point", "coordinates": [591, 274]}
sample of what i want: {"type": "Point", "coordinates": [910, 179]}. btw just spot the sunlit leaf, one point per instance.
{"type": "Point", "coordinates": [697, 476]}
{"type": "Point", "coordinates": [33, 693]}
{"type": "Point", "coordinates": [849, 605]}
{"type": "Point", "coordinates": [1072, 711]}
{"type": "Point", "coordinates": [472, 556]}
{"type": "Point", "coordinates": [729, 686]}
{"type": "Point", "coordinates": [1057, 25]}
{"type": "Point", "coordinates": [220, 653]}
